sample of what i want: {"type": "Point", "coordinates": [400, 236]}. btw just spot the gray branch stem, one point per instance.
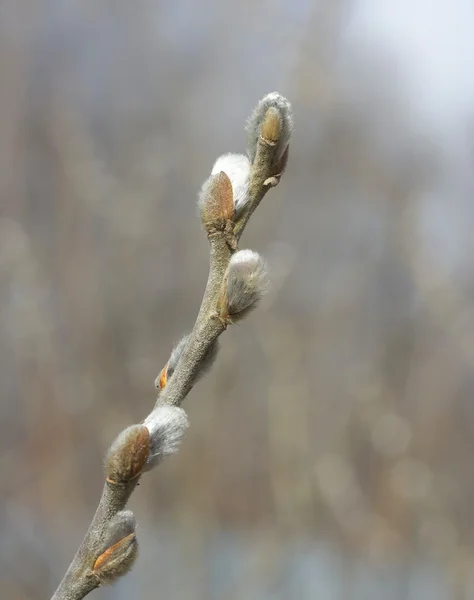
{"type": "Point", "coordinates": [80, 579]}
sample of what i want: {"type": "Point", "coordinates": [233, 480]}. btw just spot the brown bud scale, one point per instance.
{"type": "Point", "coordinates": [114, 551]}
{"type": "Point", "coordinates": [116, 560]}
{"type": "Point", "coordinates": [217, 201]}
{"type": "Point", "coordinates": [271, 126]}
{"type": "Point", "coordinates": [128, 454]}
{"type": "Point", "coordinates": [163, 377]}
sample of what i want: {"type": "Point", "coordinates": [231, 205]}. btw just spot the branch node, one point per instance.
{"type": "Point", "coordinates": [268, 142]}
{"type": "Point", "coordinates": [230, 237]}
{"type": "Point", "coordinates": [222, 320]}
{"type": "Point", "coordinates": [272, 181]}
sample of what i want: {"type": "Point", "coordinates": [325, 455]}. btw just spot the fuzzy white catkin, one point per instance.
{"type": "Point", "coordinates": [246, 282]}
{"type": "Point", "coordinates": [258, 115]}
{"type": "Point", "coordinates": [237, 169]}
{"type": "Point", "coordinates": [167, 425]}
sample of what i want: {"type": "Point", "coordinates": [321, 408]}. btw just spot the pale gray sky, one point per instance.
{"type": "Point", "coordinates": [430, 46]}
{"type": "Point", "coordinates": [433, 43]}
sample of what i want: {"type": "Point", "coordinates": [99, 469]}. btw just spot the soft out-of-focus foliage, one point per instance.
{"type": "Point", "coordinates": [329, 450]}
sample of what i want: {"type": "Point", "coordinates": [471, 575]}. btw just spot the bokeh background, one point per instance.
{"type": "Point", "coordinates": [330, 450]}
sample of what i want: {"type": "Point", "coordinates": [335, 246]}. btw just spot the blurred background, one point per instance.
{"type": "Point", "coordinates": [330, 449]}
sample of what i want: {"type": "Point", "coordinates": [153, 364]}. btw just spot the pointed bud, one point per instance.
{"type": "Point", "coordinates": [216, 203]}
{"type": "Point", "coordinates": [245, 284]}
{"type": "Point", "coordinates": [167, 425]}
{"type": "Point", "coordinates": [237, 168]}
{"type": "Point", "coordinates": [128, 454]}
{"type": "Point", "coordinates": [169, 368]}
{"type": "Point", "coordinates": [119, 550]}
{"type": "Point", "coordinates": [271, 119]}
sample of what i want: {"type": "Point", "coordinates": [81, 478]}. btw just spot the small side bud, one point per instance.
{"type": "Point", "coordinates": [119, 550]}
{"type": "Point", "coordinates": [120, 526]}
{"type": "Point", "coordinates": [245, 284]}
{"type": "Point", "coordinates": [128, 454]}
{"type": "Point", "coordinates": [272, 119]}
{"type": "Point", "coordinates": [162, 379]}
{"type": "Point", "coordinates": [237, 168]}
{"type": "Point", "coordinates": [169, 368]}
{"type": "Point", "coordinates": [216, 203]}
{"type": "Point", "coordinates": [167, 425]}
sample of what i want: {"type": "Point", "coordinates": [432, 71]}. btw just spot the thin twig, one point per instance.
{"type": "Point", "coordinates": [79, 579]}
{"type": "Point", "coordinates": [109, 547]}
{"type": "Point", "coordinates": [208, 326]}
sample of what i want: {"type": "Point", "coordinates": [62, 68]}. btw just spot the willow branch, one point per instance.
{"type": "Point", "coordinates": [234, 286]}
{"type": "Point", "coordinates": [208, 326]}
{"type": "Point", "coordinates": [271, 123]}
{"type": "Point", "coordinates": [80, 579]}
{"type": "Point", "coordinates": [263, 178]}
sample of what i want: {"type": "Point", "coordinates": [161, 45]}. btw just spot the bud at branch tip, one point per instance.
{"type": "Point", "coordinates": [271, 119]}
